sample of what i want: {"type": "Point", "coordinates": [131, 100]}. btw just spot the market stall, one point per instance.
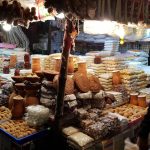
{"type": "Point", "coordinates": [90, 99]}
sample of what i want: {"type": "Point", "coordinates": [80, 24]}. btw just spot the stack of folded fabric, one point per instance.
{"type": "Point", "coordinates": [106, 81]}
{"type": "Point", "coordinates": [113, 63]}
{"type": "Point", "coordinates": [48, 94]}
{"type": "Point", "coordinates": [133, 79]}
{"type": "Point", "coordinates": [117, 95]}
{"type": "Point", "coordinates": [98, 69]}
{"type": "Point", "coordinates": [111, 45]}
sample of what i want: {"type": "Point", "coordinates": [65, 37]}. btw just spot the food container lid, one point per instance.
{"type": "Point", "coordinates": [144, 96]}
{"type": "Point", "coordinates": [134, 94]}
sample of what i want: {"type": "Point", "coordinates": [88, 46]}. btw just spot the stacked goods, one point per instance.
{"type": "Point", "coordinates": [1, 63]}
{"type": "Point", "coordinates": [131, 112]}
{"type": "Point", "coordinates": [121, 88]}
{"type": "Point", "coordinates": [133, 80]}
{"type": "Point", "coordinates": [106, 81]}
{"type": "Point", "coordinates": [89, 59]}
{"type": "Point", "coordinates": [113, 63]}
{"type": "Point", "coordinates": [117, 95]}
{"type": "Point", "coordinates": [48, 94]}
{"type": "Point", "coordinates": [5, 113]}
{"type": "Point", "coordinates": [98, 68]}
{"type": "Point", "coordinates": [7, 89]}
{"type": "Point", "coordinates": [17, 128]}
{"type": "Point", "coordinates": [111, 45]}
{"type": "Point", "coordinates": [46, 63]}
{"type": "Point", "coordinates": [98, 126]}
{"type": "Point", "coordinates": [146, 91]}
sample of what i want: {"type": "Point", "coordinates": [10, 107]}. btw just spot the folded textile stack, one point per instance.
{"type": "Point", "coordinates": [111, 45]}
{"type": "Point", "coordinates": [106, 81]}
{"type": "Point", "coordinates": [113, 63]}
{"type": "Point", "coordinates": [134, 80]}
{"type": "Point", "coordinates": [117, 95]}
{"type": "Point", "coordinates": [146, 92]}
{"type": "Point", "coordinates": [141, 56]}
{"type": "Point", "coordinates": [48, 94]}
{"type": "Point", "coordinates": [98, 69]}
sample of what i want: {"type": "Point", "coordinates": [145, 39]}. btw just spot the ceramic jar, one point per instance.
{"type": "Point", "coordinates": [142, 101]}
{"type": "Point", "coordinates": [97, 60]}
{"type": "Point", "coordinates": [82, 67]}
{"type": "Point", "coordinates": [116, 78]}
{"type": "Point", "coordinates": [13, 60]}
{"type": "Point", "coordinates": [31, 98]}
{"type": "Point", "coordinates": [134, 98]}
{"type": "Point", "coordinates": [36, 66]}
{"type": "Point", "coordinates": [18, 107]}
{"type": "Point", "coordinates": [70, 65]}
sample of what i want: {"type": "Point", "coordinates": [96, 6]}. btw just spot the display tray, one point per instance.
{"type": "Point", "coordinates": [28, 138]}
{"type": "Point", "coordinates": [136, 121]}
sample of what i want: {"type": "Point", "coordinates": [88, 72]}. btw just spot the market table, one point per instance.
{"type": "Point", "coordinates": [7, 140]}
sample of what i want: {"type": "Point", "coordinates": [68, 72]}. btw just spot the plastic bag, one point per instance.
{"type": "Point", "coordinates": [37, 115]}
{"type": "Point", "coordinates": [130, 146]}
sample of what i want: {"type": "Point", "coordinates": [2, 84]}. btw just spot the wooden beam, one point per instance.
{"type": "Point", "coordinates": [67, 44]}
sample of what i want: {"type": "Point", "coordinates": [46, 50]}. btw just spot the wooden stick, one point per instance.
{"type": "Point", "coordinates": [67, 43]}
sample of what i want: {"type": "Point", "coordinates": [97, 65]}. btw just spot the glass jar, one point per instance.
{"type": "Point", "coordinates": [116, 78]}
{"type": "Point", "coordinates": [6, 64]}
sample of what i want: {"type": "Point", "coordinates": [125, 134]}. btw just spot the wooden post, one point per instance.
{"type": "Point", "coordinates": [67, 44]}
{"type": "Point", "coordinates": [49, 38]}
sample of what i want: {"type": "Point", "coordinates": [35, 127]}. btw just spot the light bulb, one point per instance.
{"type": "Point", "coordinates": [7, 27]}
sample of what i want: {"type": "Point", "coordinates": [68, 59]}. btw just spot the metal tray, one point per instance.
{"type": "Point", "coordinates": [23, 140]}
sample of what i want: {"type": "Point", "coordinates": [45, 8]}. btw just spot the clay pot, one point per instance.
{"type": "Point", "coordinates": [31, 98]}
{"type": "Point", "coordinates": [10, 104]}
{"type": "Point", "coordinates": [18, 79]}
{"type": "Point", "coordinates": [134, 98]}
{"type": "Point", "coordinates": [36, 64]}
{"type": "Point", "coordinates": [49, 75]}
{"type": "Point", "coordinates": [142, 101]}
{"type": "Point", "coordinates": [97, 60]}
{"type": "Point", "coordinates": [82, 67]}
{"type": "Point", "coordinates": [18, 107]}
{"type": "Point", "coordinates": [20, 89]}
{"type": "Point", "coordinates": [116, 78]}
{"type": "Point", "coordinates": [70, 65]}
